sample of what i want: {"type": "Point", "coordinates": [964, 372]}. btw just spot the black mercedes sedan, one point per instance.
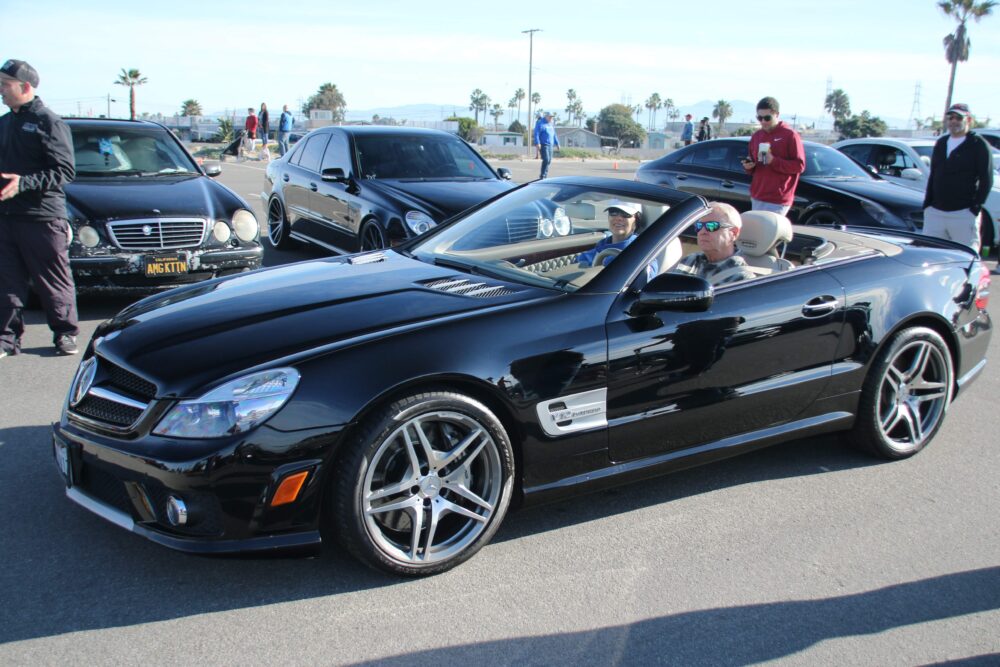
{"type": "Point", "coordinates": [370, 187]}
{"type": "Point", "coordinates": [401, 401]}
{"type": "Point", "coordinates": [834, 190]}
{"type": "Point", "coordinates": [145, 214]}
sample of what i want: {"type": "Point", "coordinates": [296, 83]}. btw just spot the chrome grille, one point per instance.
{"type": "Point", "coordinates": [158, 233]}
{"type": "Point", "coordinates": [115, 398]}
{"type": "Point", "coordinates": [465, 287]}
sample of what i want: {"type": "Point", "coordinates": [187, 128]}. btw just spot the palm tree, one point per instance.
{"type": "Point", "coordinates": [722, 111]}
{"type": "Point", "coordinates": [512, 105]}
{"type": "Point", "coordinates": [653, 103]}
{"type": "Point", "coordinates": [131, 78]}
{"type": "Point", "coordinates": [839, 106]}
{"type": "Point", "coordinates": [190, 108]}
{"type": "Point", "coordinates": [956, 45]}
{"type": "Point", "coordinates": [496, 112]}
{"type": "Point", "coordinates": [476, 103]}
{"type": "Point", "coordinates": [519, 95]}
{"type": "Point", "coordinates": [536, 99]}
{"type": "Point", "coordinates": [670, 110]}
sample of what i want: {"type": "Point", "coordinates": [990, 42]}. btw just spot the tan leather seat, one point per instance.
{"type": "Point", "coordinates": [763, 232]}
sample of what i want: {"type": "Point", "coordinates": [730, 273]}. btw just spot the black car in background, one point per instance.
{"type": "Point", "coordinates": [833, 190]}
{"type": "Point", "coordinates": [369, 187]}
{"type": "Point", "coordinates": [145, 214]}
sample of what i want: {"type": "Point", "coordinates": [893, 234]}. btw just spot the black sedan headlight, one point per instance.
{"type": "Point", "coordinates": [419, 222]}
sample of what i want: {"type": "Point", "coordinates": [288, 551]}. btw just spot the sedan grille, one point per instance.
{"type": "Point", "coordinates": [108, 411]}
{"type": "Point", "coordinates": [465, 287]}
{"type": "Point", "coordinates": [158, 233]}
{"type": "Point", "coordinates": [116, 398]}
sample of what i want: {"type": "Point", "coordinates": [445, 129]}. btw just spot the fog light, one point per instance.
{"type": "Point", "coordinates": [221, 231]}
{"type": "Point", "coordinates": [177, 512]}
{"type": "Point", "coordinates": [88, 236]}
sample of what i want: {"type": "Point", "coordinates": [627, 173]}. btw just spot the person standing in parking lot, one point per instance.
{"type": "Point", "coordinates": [284, 130]}
{"type": "Point", "coordinates": [546, 139]}
{"type": "Point", "coordinates": [960, 180]}
{"type": "Point", "coordinates": [36, 161]}
{"type": "Point", "coordinates": [776, 159]}
{"type": "Point", "coordinates": [263, 123]}
{"type": "Point", "coordinates": [687, 134]}
{"type": "Point", "coordinates": [704, 130]}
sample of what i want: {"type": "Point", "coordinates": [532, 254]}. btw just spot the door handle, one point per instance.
{"type": "Point", "coordinates": [313, 187]}
{"type": "Point", "coordinates": [284, 177]}
{"type": "Point", "coordinates": [820, 306]}
{"type": "Point", "coordinates": [728, 184]}
{"type": "Point", "coordinates": [681, 177]}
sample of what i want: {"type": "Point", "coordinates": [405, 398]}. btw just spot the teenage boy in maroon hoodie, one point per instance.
{"type": "Point", "coordinates": [776, 159]}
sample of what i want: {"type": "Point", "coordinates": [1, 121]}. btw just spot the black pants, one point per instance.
{"type": "Point", "coordinates": [35, 250]}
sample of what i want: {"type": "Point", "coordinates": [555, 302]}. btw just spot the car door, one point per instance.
{"type": "Point", "coordinates": [734, 187]}
{"type": "Point", "coordinates": [302, 182]}
{"type": "Point", "coordinates": [701, 169]}
{"type": "Point", "coordinates": [332, 199]}
{"type": "Point", "coordinates": [759, 357]}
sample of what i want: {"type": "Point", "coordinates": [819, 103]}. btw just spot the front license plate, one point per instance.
{"type": "Point", "coordinates": [62, 458]}
{"type": "Point", "coordinates": [165, 265]}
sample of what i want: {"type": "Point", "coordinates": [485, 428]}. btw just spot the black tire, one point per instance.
{"type": "Point", "coordinates": [278, 229]}
{"type": "Point", "coordinates": [824, 216]}
{"type": "Point", "coordinates": [372, 237]}
{"type": "Point", "coordinates": [424, 485]}
{"type": "Point", "coordinates": [905, 396]}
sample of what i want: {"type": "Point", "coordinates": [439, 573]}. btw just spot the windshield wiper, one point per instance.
{"type": "Point", "coordinates": [171, 172]}
{"type": "Point", "coordinates": [120, 172]}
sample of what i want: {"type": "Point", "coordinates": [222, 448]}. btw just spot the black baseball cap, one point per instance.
{"type": "Point", "coordinates": [20, 71]}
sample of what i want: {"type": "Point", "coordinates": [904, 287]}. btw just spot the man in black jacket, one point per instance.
{"type": "Point", "coordinates": [960, 180]}
{"type": "Point", "coordinates": [36, 161]}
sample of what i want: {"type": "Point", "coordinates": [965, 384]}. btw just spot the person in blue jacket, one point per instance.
{"type": "Point", "coordinates": [624, 218]}
{"type": "Point", "coordinates": [545, 139]}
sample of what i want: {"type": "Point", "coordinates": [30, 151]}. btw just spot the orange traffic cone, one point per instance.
{"type": "Point", "coordinates": [615, 166]}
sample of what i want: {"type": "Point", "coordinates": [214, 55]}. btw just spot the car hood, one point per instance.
{"type": "Point", "coordinates": [135, 198]}
{"type": "Point", "coordinates": [883, 192]}
{"type": "Point", "coordinates": [441, 198]}
{"type": "Point", "coordinates": [188, 338]}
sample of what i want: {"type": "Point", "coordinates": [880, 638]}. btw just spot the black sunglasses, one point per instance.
{"type": "Point", "coordinates": [711, 226]}
{"type": "Point", "coordinates": [766, 117]}
{"type": "Point", "coordinates": [618, 213]}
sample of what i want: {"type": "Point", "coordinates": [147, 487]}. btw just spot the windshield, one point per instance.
{"type": "Point", "coordinates": [419, 157]}
{"type": "Point", "coordinates": [102, 151]}
{"type": "Point", "coordinates": [557, 236]}
{"type": "Point", "coordinates": [826, 162]}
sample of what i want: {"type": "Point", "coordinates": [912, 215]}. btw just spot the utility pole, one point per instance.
{"type": "Point", "coordinates": [531, 54]}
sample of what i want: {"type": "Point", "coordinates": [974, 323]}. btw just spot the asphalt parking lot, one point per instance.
{"type": "Point", "coordinates": [803, 554]}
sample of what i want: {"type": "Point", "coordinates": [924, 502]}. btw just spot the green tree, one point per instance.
{"type": "Point", "coordinates": [722, 110]}
{"type": "Point", "coordinates": [468, 128]}
{"type": "Point", "coordinates": [864, 125]}
{"type": "Point", "coordinates": [838, 104]}
{"type": "Point", "coordinates": [496, 111]}
{"type": "Point", "coordinates": [615, 120]}
{"type": "Point", "coordinates": [519, 95]}
{"type": "Point", "coordinates": [131, 78]}
{"type": "Point", "coordinates": [670, 110]}
{"type": "Point", "coordinates": [653, 103]}
{"type": "Point", "coordinates": [190, 108]}
{"type": "Point", "coordinates": [956, 45]}
{"type": "Point", "coordinates": [574, 107]}
{"type": "Point", "coordinates": [225, 132]}
{"type": "Point", "coordinates": [329, 98]}
{"type": "Point", "coordinates": [512, 104]}
{"type": "Point", "coordinates": [516, 127]}
{"type": "Point", "coordinates": [536, 99]}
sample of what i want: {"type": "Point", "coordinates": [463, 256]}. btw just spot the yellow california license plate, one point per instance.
{"type": "Point", "coordinates": [165, 265]}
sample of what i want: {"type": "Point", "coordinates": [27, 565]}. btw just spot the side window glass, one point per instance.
{"type": "Point", "coordinates": [711, 156]}
{"type": "Point", "coordinates": [857, 151]}
{"type": "Point", "coordinates": [337, 154]}
{"type": "Point", "coordinates": [312, 152]}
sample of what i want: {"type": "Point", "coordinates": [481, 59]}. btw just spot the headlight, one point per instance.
{"type": "Point", "coordinates": [235, 407]}
{"type": "Point", "coordinates": [88, 236]}
{"type": "Point", "coordinates": [245, 225]}
{"type": "Point", "coordinates": [221, 231]}
{"type": "Point", "coordinates": [881, 214]}
{"type": "Point", "coordinates": [419, 222]}
{"type": "Point", "coordinates": [562, 222]}
{"type": "Point", "coordinates": [545, 228]}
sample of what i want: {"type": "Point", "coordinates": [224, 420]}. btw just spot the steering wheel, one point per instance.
{"type": "Point", "coordinates": [607, 252]}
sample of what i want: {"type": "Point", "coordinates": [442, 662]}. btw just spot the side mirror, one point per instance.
{"type": "Point", "coordinates": [871, 170]}
{"type": "Point", "coordinates": [674, 291]}
{"type": "Point", "coordinates": [504, 173]}
{"type": "Point", "coordinates": [912, 174]}
{"type": "Point", "coordinates": [212, 169]}
{"type": "Point", "coordinates": [335, 174]}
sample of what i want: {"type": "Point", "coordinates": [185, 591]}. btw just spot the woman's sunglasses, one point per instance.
{"type": "Point", "coordinates": [711, 226]}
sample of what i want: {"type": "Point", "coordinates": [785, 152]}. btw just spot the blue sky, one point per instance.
{"type": "Point", "coordinates": [385, 53]}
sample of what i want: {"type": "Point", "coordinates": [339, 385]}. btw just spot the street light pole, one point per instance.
{"type": "Point", "coordinates": [531, 53]}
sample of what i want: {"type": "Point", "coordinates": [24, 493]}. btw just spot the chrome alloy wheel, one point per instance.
{"type": "Point", "coordinates": [432, 487]}
{"type": "Point", "coordinates": [914, 394]}
{"type": "Point", "coordinates": [277, 231]}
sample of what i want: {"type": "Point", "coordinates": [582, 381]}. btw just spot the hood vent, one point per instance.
{"type": "Point", "coordinates": [367, 258]}
{"type": "Point", "coordinates": [466, 287]}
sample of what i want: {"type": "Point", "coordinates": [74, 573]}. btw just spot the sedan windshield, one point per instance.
{"type": "Point", "coordinates": [419, 157]}
{"type": "Point", "coordinates": [103, 151]}
{"type": "Point", "coordinates": [558, 236]}
{"type": "Point", "coordinates": [826, 162]}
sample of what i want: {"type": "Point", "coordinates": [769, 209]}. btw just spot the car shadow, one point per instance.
{"type": "Point", "coordinates": [70, 570]}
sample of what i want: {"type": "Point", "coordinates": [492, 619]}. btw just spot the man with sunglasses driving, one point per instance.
{"type": "Point", "coordinates": [718, 262]}
{"type": "Point", "coordinates": [776, 159]}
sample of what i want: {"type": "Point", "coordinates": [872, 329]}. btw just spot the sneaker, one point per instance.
{"type": "Point", "coordinates": [3, 353]}
{"type": "Point", "coordinates": [66, 344]}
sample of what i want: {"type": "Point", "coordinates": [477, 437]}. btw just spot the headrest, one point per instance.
{"type": "Point", "coordinates": [762, 231]}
